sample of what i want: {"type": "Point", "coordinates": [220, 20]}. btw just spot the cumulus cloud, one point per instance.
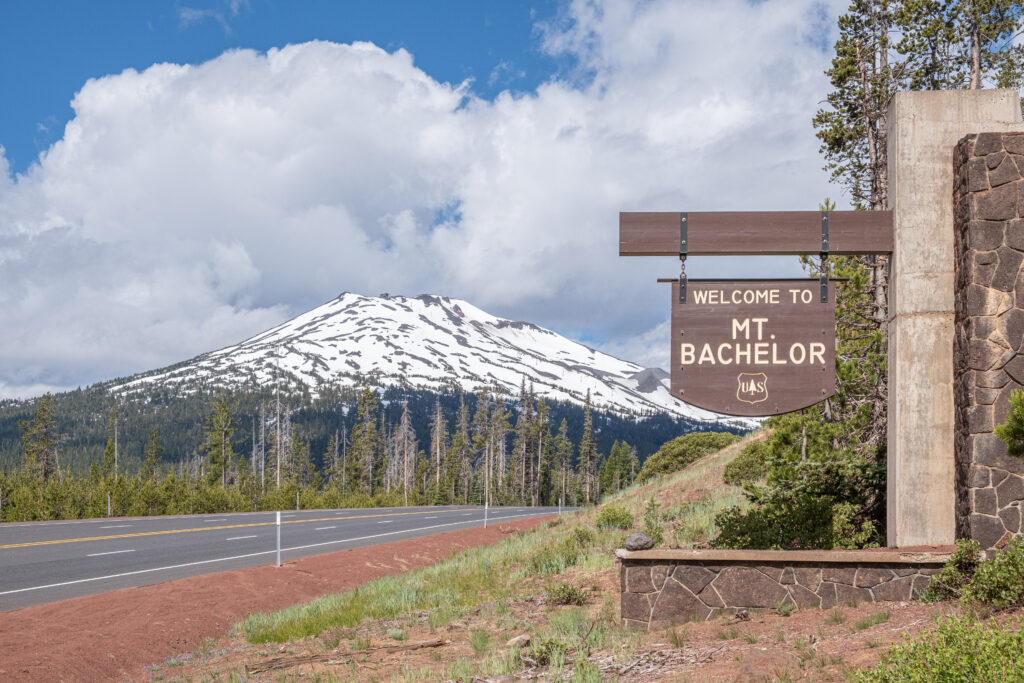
{"type": "Point", "coordinates": [187, 207]}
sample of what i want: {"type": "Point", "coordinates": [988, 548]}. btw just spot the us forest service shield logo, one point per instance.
{"type": "Point", "coordinates": [752, 387]}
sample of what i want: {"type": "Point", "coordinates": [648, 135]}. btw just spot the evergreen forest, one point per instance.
{"type": "Point", "coordinates": [91, 452]}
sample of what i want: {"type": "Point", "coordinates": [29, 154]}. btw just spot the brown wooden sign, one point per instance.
{"type": "Point", "coordinates": [754, 232]}
{"type": "Point", "coordinates": [753, 348]}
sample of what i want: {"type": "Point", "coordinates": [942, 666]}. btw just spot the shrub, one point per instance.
{"type": "Point", "coordinates": [566, 594]}
{"type": "Point", "coordinates": [614, 517]}
{"type": "Point", "coordinates": [682, 451]}
{"type": "Point", "coordinates": [749, 466]}
{"type": "Point", "coordinates": [956, 574]}
{"type": "Point", "coordinates": [552, 559]}
{"type": "Point", "coordinates": [999, 582]}
{"type": "Point", "coordinates": [960, 649]}
{"type": "Point", "coordinates": [653, 524]}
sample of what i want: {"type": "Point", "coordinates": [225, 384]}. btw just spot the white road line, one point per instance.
{"type": "Point", "coordinates": [239, 538]}
{"type": "Point", "coordinates": [215, 520]}
{"type": "Point", "coordinates": [236, 557]}
{"type": "Point", "coordinates": [431, 517]}
{"type": "Point", "coordinates": [466, 514]}
{"type": "Point", "coordinates": [385, 521]}
{"type": "Point", "coordinates": [112, 552]}
{"type": "Point", "coordinates": [115, 526]}
{"type": "Point", "coordinates": [323, 528]}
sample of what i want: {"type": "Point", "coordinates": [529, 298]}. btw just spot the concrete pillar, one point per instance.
{"type": "Point", "coordinates": [924, 128]}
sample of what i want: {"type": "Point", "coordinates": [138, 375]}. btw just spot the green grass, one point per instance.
{"type": "Point", "coordinates": [871, 620]}
{"type": "Point", "coordinates": [480, 641]}
{"type": "Point", "coordinates": [445, 589]}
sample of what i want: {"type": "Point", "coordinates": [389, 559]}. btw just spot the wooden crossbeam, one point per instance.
{"type": "Point", "coordinates": [716, 233]}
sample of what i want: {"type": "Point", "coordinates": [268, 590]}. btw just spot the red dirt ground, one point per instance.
{"type": "Point", "coordinates": [114, 635]}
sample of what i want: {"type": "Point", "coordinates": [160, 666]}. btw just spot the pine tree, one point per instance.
{"type": "Point", "coordinates": [151, 463]}
{"type": "Point", "coordinates": [563, 459]}
{"type": "Point", "coordinates": [40, 439]}
{"type": "Point", "coordinates": [588, 455]}
{"type": "Point", "coordinates": [110, 452]}
{"type": "Point", "coordinates": [366, 443]}
{"type": "Point", "coordinates": [219, 448]}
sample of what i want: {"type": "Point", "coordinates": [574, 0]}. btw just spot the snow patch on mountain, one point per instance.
{"type": "Point", "coordinates": [429, 342]}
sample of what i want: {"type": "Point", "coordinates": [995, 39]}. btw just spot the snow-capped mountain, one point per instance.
{"type": "Point", "coordinates": [429, 342]}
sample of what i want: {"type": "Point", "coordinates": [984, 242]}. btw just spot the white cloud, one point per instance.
{"type": "Point", "coordinates": [187, 207]}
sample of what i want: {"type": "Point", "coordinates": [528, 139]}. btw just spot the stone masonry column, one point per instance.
{"type": "Point", "coordinates": [924, 128]}
{"type": "Point", "coordinates": [988, 200]}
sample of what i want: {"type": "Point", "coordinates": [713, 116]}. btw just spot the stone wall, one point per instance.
{"type": "Point", "coordinates": [665, 587]}
{"type": "Point", "coordinates": [988, 202]}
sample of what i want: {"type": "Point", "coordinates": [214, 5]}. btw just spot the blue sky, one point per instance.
{"type": "Point", "coordinates": [179, 176]}
{"type": "Point", "coordinates": [49, 49]}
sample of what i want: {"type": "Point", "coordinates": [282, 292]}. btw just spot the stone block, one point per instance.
{"type": "Point", "coordinates": [1015, 369]}
{"type": "Point", "coordinates": [636, 606]}
{"type": "Point", "coordinates": [988, 143]}
{"type": "Point", "coordinates": [987, 531]}
{"type": "Point", "coordinates": [981, 326]}
{"type": "Point", "coordinates": [747, 587]}
{"type": "Point", "coordinates": [1000, 410]}
{"type": "Point", "coordinates": [982, 300]}
{"type": "Point", "coordinates": [989, 451]}
{"type": "Point", "coordinates": [985, 235]}
{"type": "Point", "coordinates": [983, 354]}
{"type": "Point", "coordinates": [788, 577]}
{"type": "Point", "coordinates": [983, 269]}
{"type": "Point", "coordinates": [1014, 234]}
{"type": "Point", "coordinates": [897, 590]}
{"type": "Point", "coordinates": [994, 379]}
{"type": "Point", "coordinates": [675, 605]}
{"type": "Point", "coordinates": [638, 579]}
{"type": "Point", "coordinates": [1013, 143]}
{"type": "Point", "coordinates": [827, 592]}
{"type": "Point", "coordinates": [849, 595]}
{"type": "Point", "coordinates": [635, 624]}
{"type": "Point", "coordinates": [979, 419]}
{"type": "Point", "coordinates": [710, 597]}
{"type": "Point", "coordinates": [772, 572]}
{"type": "Point", "coordinates": [803, 597]}
{"type": "Point", "coordinates": [845, 575]}
{"type": "Point", "coordinates": [977, 175]}
{"type": "Point", "coordinates": [868, 577]}
{"type": "Point", "coordinates": [920, 586]}
{"type": "Point", "coordinates": [1005, 172]}
{"type": "Point", "coordinates": [984, 501]}
{"type": "Point", "coordinates": [693, 577]}
{"type": "Point", "coordinates": [985, 397]}
{"type": "Point", "coordinates": [808, 577]}
{"type": "Point", "coordinates": [1010, 517]}
{"type": "Point", "coordinates": [998, 204]}
{"type": "Point", "coordinates": [998, 477]}
{"type": "Point", "coordinates": [1011, 324]}
{"type": "Point", "coordinates": [977, 477]}
{"type": "Point", "coordinates": [994, 160]}
{"type": "Point", "coordinates": [1010, 491]}
{"type": "Point", "coordinates": [1009, 266]}
{"type": "Point", "coordinates": [659, 573]}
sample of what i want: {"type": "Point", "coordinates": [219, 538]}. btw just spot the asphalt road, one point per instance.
{"type": "Point", "coordinates": [42, 562]}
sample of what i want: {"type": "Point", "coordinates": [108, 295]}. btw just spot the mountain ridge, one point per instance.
{"type": "Point", "coordinates": [428, 341]}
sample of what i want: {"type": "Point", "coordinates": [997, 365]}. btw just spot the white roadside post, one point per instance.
{"type": "Point", "coordinates": [559, 506]}
{"type": "Point", "coordinates": [278, 538]}
{"type": "Point", "coordinates": [485, 514]}
{"type": "Point", "coordinates": [108, 503]}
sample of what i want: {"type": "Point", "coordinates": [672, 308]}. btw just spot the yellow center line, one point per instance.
{"type": "Point", "coordinates": [212, 528]}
